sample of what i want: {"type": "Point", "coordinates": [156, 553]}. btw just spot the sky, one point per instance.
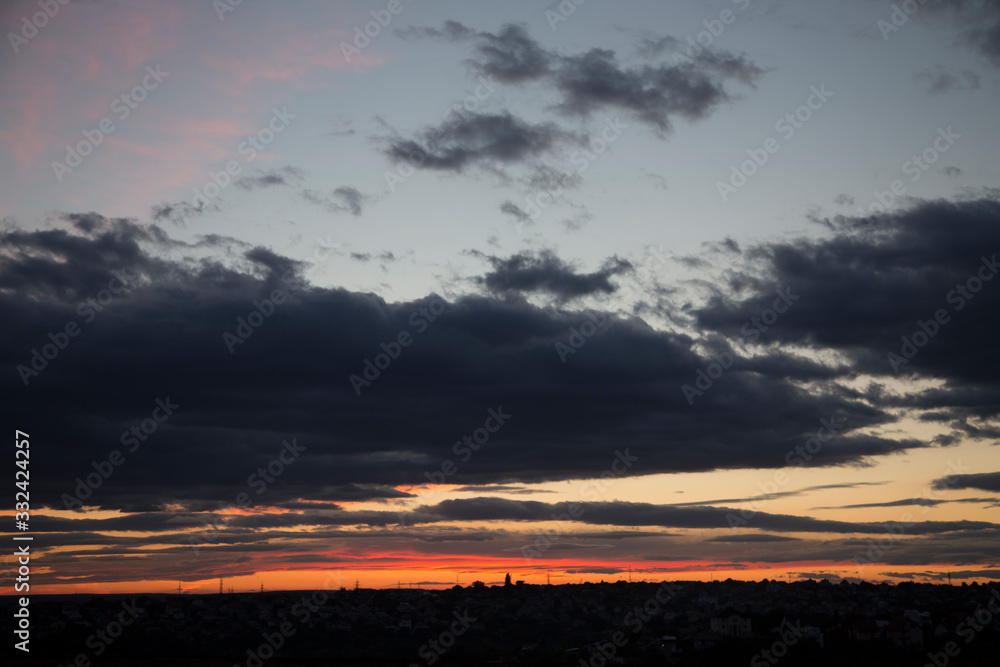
{"type": "Point", "coordinates": [396, 292]}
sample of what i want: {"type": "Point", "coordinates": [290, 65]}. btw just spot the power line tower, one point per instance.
{"type": "Point", "coordinates": [220, 585]}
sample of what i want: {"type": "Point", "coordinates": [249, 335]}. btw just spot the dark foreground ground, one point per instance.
{"type": "Point", "coordinates": [815, 623]}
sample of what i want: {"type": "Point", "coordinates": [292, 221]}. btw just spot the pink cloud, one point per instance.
{"type": "Point", "coordinates": [65, 78]}
{"type": "Point", "coordinates": [222, 77]}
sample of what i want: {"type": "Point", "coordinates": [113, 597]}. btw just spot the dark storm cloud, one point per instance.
{"type": "Point", "coordinates": [961, 574]}
{"type": "Point", "coordinates": [496, 488]}
{"type": "Point", "coordinates": [613, 513]}
{"type": "Point", "coordinates": [270, 178]}
{"type": "Point", "coordinates": [909, 502]}
{"type": "Point", "coordinates": [753, 537]}
{"type": "Point", "coordinates": [544, 272]}
{"type": "Point", "coordinates": [289, 377]}
{"type": "Point", "coordinates": [61, 265]}
{"type": "Point", "coordinates": [596, 79]}
{"type": "Point", "coordinates": [982, 25]}
{"type": "Point", "coordinates": [869, 284]}
{"type": "Point", "coordinates": [477, 139]}
{"type": "Point", "coordinates": [619, 513]}
{"type": "Point", "coordinates": [986, 481]}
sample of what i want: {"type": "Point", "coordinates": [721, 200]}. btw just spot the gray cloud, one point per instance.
{"type": "Point", "coordinates": [344, 199]}
{"type": "Point", "coordinates": [596, 79]}
{"type": "Point", "coordinates": [986, 481]}
{"type": "Point", "coordinates": [512, 209]}
{"type": "Point", "coordinates": [939, 80]}
{"type": "Point", "coordinates": [270, 178]}
{"type": "Point", "coordinates": [476, 139]}
{"type": "Point", "coordinates": [547, 273]}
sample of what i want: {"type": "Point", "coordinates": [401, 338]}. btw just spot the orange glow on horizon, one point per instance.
{"type": "Point", "coordinates": [446, 572]}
